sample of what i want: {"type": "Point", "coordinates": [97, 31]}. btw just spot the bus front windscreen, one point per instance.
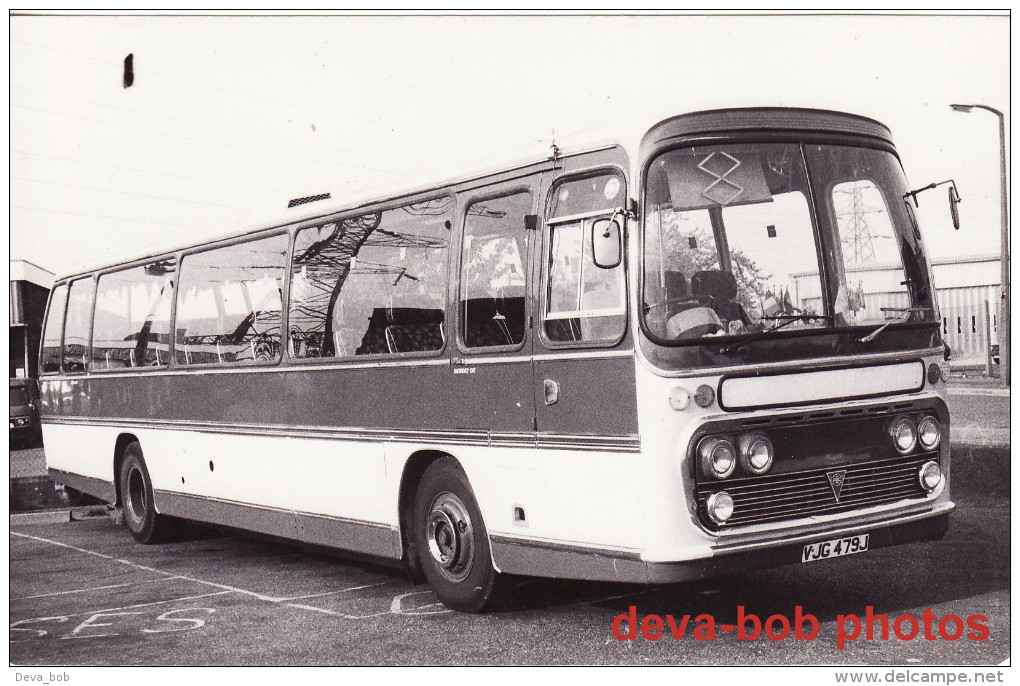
{"type": "Point", "coordinates": [743, 239]}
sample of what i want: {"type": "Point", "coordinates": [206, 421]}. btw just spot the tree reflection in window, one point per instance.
{"type": "Point", "coordinates": [132, 318]}
{"type": "Point", "coordinates": [229, 305]}
{"type": "Point", "coordinates": [371, 284]}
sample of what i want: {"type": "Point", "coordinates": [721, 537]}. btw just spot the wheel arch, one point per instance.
{"type": "Point", "coordinates": [410, 477]}
{"type": "Point", "coordinates": [123, 441]}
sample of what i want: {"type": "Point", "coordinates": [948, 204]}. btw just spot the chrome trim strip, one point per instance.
{"type": "Point", "coordinates": [504, 359]}
{"type": "Point", "coordinates": [250, 369]}
{"type": "Point", "coordinates": [625, 443]}
{"type": "Point", "coordinates": [585, 355]}
{"type": "Point", "coordinates": [541, 544]}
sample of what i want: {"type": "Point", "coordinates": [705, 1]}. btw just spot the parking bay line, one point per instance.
{"type": "Point", "coordinates": [96, 588]}
{"type": "Point", "coordinates": [226, 588]}
{"type": "Point", "coordinates": [213, 584]}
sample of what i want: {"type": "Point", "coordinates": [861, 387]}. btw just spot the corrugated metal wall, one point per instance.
{"type": "Point", "coordinates": [962, 286]}
{"type": "Point", "coordinates": [963, 318]}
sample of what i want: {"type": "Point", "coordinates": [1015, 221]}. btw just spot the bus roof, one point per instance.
{"type": "Point", "coordinates": [715, 122]}
{"type": "Point", "coordinates": [346, 207]}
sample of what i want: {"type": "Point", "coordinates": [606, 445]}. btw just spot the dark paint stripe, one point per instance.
{"type": "Point", "coordinates": [629, 444]}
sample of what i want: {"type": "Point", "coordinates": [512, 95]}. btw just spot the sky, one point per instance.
{"type": "Point", "coordinates": [230, 117]}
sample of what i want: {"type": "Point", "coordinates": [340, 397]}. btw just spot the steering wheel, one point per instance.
{"type": "Point", "coordinates": [700, 300]}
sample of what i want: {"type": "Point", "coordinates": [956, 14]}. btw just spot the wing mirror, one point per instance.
{"type": "Point", "coordinates": [607, 242]}
{"type": "Point", "coordinates": [954, 206]}
{"type": "Point", "coordinates": [954, 199]}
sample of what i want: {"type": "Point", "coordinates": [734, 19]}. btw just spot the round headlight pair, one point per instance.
{"type": "Point", "coordinates": [906, 435]}
{"type": "Point", "coordinates": [719, 456]}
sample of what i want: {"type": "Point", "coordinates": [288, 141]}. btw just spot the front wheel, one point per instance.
{"type": "Point", "coordinates": [140, 517]}
{"type": "Point", "coordinates": [451, 537]}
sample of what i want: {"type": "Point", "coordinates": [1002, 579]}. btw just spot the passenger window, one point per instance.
{"type": "Point", "coordinates": [132, 322]}
{"type": "Point", "coordinates": [77, 326]}
{"type": "Point", "coordinates": [49, 358]}
{"type": "Point", "coordinates": [229, 303]}
{"type": "Point", "coordinates": [584, 303]}
{"type": "Point", "coordinates": [372, 284]}
{"type": "Point", "coordinates": [494, 281]}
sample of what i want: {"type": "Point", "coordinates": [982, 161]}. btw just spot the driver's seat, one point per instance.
{"type": "Point", "coordinates": [722, 287]}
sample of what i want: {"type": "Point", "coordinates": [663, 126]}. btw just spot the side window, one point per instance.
{"type": "Point", "coordinates": [132, 322]}
{"type": "Point", "coordinates": [372, 284]}
{"type": "Point", "coordinates": [584, 302]}
{"type": "Point", "coordinates": [229, 303]}
{"type": "Point", "coordinates": [493, 280]}
{"type": "Point", "coordinates": [49, 357]}
{"type": "Point", "coordinates": [78, 325]}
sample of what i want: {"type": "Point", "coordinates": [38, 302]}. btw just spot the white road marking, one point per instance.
{"type": "Point", "coordinates": [95, 588]}
{"type": "Point", "coordinates": [313, 609]}
{"type": "Point", "coordinates": [343, 590]}
{"type": "Point", "coordinates": [213, 584]}
{"type": "Point", "coordinates": [224, 587]}
{"type": "Point", "coordinates": [126, 607]}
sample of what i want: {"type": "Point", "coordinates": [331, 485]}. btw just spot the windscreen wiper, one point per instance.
{"type": "Point", "coordinates": [784, 321]}
{"type": "Point", "coordinates": [904, 312]}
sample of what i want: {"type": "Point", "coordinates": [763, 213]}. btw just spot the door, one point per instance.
{"type": "Point", "coordinates": [492, 361]}
{"type": "Point", "coordinates": [585, 391]}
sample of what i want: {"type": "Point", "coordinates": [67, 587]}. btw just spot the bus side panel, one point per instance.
{"type": "Point", "coordinates": [81, 450]}
{"type": "Point", "coordinates": [596, 395]}
{"type": "Point", "coordinates": [569, 496]}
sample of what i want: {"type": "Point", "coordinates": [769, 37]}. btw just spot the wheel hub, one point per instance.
{"type": "Point", "coordinates": [135, 494]}
{"type": "Point", "coordinates": [450, 536]}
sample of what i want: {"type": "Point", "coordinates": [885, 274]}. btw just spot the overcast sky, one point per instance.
{"type": "Point", "coordinates": [229, 118]}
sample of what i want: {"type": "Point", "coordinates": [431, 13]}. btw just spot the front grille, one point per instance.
{"type": "Point", "coordinates": [777, 497]}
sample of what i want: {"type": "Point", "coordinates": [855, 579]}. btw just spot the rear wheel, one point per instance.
{"type": "Point", "coordinates": [140, 517]}
{"type": "Point", "coordinates": [451, 538]}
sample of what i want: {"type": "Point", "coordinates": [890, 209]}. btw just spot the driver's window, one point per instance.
{"type": "Point", "coordinates": [584, 303]}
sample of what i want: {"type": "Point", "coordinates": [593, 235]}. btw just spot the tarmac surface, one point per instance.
{"type": "Point", "coordinates": [82, 593]}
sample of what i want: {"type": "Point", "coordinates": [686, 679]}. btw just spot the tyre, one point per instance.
{"type": "Point", "coordinates": [451, 538]}
{"type": "Point", "coordinates": [140, 517]}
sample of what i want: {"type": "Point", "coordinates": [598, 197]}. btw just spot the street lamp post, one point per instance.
{"type": "Point", "coordinates": [1004, 258]}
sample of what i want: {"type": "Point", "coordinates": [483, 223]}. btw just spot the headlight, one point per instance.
{"type": "Point", "coordinates": [904, 434]}
{"type": "Point", "coordinates": [718, 457]}
{"type": "Point", "coordinates": [930, 476]}
{"type": "Point", "coordinates": [929, 433]}
{"type": "Point", "coordinates": [719, 507]}
{"type": "Point", "coordinates": [756, 453]}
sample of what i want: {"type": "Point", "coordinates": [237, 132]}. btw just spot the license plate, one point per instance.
{"type": "Point", "coordinates": [837, 547]}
